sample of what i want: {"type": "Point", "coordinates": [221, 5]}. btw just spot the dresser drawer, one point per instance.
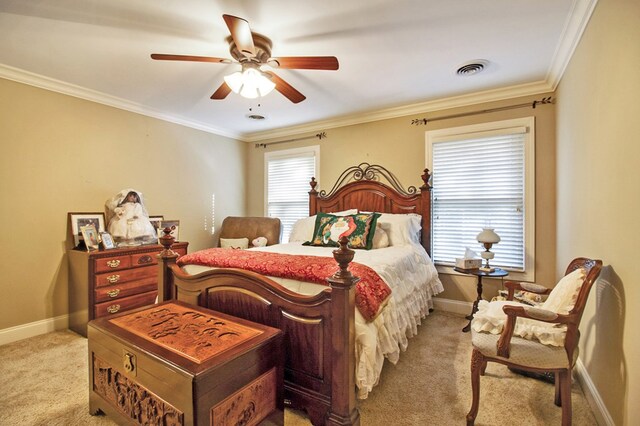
{"type": "Point", "coordinates": [144, 259]}
{"type": "Point", "coordinates": [113, 263]}
{"type": "Point", "coordinates": [118, 291]}
{"type": "Point", "coordinates": [114, 306]}
{"type": "Point", "coordinates": [117, 277]}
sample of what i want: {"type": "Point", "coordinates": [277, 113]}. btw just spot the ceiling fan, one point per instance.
{"type": "Point", "coordinates": [253, 52]}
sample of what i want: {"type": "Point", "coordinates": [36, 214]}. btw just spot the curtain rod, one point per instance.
{"type": "Point", "coordinates": [543, 101]}
{"type": "Point", "coordinates": [320, 136]}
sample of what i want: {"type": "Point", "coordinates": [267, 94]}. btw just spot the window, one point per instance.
{"type": "Point", "coordinates": [483, 176]}
{"type": "Point", "coordinates": [287, 176]}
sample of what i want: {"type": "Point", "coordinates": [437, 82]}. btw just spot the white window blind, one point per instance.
{"type": "Point", "coordinates": [287, 182]}
{"type": "Point", "coordinates": [481, 179]}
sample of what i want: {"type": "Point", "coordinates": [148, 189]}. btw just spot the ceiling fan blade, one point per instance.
{"type": "Point", "coordinates": [163, 57]}
{"type": "Point", "coordinates": [222, 92]}
{"type": "Point", "coordinates": [286, 89]}
{"type": "Point", "coordinates": [305, 62]}
{"type": "Point", "coordinates": [241, 34]}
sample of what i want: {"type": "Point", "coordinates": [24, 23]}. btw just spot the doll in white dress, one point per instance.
{"type": "Point", "coordinates": [128, 218]}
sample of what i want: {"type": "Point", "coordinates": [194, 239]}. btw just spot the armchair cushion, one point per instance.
{"type": "Point", "coordinates": [524, 352]}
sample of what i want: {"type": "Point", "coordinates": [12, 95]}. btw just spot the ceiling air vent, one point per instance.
{"type": "Point", "coordinates": [473, 67]}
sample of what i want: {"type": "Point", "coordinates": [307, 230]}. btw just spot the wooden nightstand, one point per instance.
{"type": "Point", "coordinates": [497, 273]}
{"type": "Point", "coordinates": [104, 282]}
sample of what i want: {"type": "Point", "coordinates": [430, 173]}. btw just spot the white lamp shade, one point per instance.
{"type": "Point", "coordinates": [250, 83]}
{"type": "Point", "coordinates": [488, 236]}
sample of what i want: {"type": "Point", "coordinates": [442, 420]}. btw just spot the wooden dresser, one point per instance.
{"type": "Point", "coordinates": [105, 282]}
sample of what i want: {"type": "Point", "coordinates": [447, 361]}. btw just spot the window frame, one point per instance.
{"type": "Point", "coordinates": [460, 133]}
{"type": "Point", "coordinates": [288, 153]}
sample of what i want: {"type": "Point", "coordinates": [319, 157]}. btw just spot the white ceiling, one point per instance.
{"type": "Point", "coordinates": [396, 56]}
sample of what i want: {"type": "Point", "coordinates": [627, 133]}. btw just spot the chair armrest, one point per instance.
{"type": "Point", "coordinates": [512, 286]}
{"type": "Point", "coordinates": [530, 312]}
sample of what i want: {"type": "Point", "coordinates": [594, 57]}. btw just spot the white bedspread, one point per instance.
{"type": "Point", "coordinates": [413, 279]}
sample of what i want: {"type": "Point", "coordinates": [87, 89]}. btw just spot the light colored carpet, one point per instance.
{"type": "Point", "coordinates": [44, 381]}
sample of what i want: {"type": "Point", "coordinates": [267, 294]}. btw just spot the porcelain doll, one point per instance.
{"type": "Point", "coordinates": [128, 218]}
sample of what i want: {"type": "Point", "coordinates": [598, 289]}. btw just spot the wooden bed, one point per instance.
{"type": "Point", "coordinates": [319, 330]}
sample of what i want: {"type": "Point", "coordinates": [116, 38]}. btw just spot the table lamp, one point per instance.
{"type": "Point", "coordinates": [487, 238]}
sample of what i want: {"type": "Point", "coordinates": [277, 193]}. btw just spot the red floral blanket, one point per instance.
{"type": "Point", "coordinates": [371, 291]}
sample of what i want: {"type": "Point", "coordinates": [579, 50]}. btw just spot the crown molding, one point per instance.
{"type": "Point", "coordinates": [407, 110]}
{"type": "Point", "coordinates": [36, 80]}
{"type": "Point", "coordinates": [581, 11]}
{"type": "Point", "coordinates": [577, 21]}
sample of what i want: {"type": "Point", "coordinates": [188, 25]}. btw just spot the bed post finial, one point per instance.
{"type": "Point", "coordinates": [426, 176]}
{"type": "Point", "coordinates": [343, 409]}
{"type": "Point", "coordinates": [344, 256]}
{"type": "Point", "coordinates": [313, 184]}
{"type": "Point", "coordinates": [167, 241]}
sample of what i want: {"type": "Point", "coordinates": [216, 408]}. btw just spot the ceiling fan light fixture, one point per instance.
{"type": "Point", "coordinates": [249, 83]}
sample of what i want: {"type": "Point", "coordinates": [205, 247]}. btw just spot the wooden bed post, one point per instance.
{"type": "Point", "coordinates": [425, 194]}
{"type": "Point", "coordinates": [313, 197]}
{"type": "Point", "coordinates": [343, 393]}
{"type": "Point", "coordinates": [166, 258]}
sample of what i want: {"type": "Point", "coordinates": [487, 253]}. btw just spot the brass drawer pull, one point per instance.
{"type": "Point", "coordinates": [145, 259]}
{"type": "Point", "coordinates": [113, 309]}
{"type": "Point", "coordinates": [113, 263]}
{"type": "Point", "coordinates": [113, 293]}
{"type": "Point", "coordinates": [113, 278]}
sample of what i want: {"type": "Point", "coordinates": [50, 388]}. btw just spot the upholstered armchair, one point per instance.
{"type": "Point", "coordinates": [235, 227]}
{"type": "Point", "coordinates": [537, 339]}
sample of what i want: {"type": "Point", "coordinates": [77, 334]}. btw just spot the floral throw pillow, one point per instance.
{"type": "Point", "coordinates": [358, 228]}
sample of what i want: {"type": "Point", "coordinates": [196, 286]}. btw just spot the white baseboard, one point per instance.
{"type": "Point", "coordinates": [452, 306]}
{"type": "Point", "coordinates": [593, 396]}
{"type": "Point", "coordinates": [13, 334]}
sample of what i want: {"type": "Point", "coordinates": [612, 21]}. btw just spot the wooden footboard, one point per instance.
{"type": "Point", "coordinates": [319, 330]}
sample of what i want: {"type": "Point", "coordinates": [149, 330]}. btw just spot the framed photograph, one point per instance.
{"type": "Point", "coordinates": [155, 222]}
{"type": "Point", "coordinates": [174, 225]}
{"type": "Point", "coordinates": [107, 241]}
{"type": "Point", "coordinates": [90, 236]}
{"type": "Point", "coordinates": [78, 220]}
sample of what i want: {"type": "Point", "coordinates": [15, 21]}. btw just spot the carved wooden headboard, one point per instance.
{"type": "Point", "coordinates": [360, 187]}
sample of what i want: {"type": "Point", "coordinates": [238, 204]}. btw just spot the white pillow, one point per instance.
{"type": "Point", "coordinates": [302, 229]}
{"type": "Point", "coordinates": [380, 238]}
{"type": "Point", "coordinates": [564, 295]}
{"type": "Point", "coordinates": [402, 229]}
{"type": "Point", "coordinates": [235, 243]}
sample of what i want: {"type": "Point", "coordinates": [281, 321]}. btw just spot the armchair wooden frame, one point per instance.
{"type": "Point", "coordinates": [571, 321]}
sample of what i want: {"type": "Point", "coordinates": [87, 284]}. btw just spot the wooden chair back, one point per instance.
{"type": "Point", "coordinates": [592, 271]}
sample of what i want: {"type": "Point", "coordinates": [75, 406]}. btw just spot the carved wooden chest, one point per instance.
{"type": "Point", "coordinates": [178, 364]}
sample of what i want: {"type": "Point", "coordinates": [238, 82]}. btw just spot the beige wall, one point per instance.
{"type": "Point", "coordinates": [599, 196]}
{"type": "Point", "coordinates": [62, 154]}
{"type": "Point", "coordinates": [400, 146]}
